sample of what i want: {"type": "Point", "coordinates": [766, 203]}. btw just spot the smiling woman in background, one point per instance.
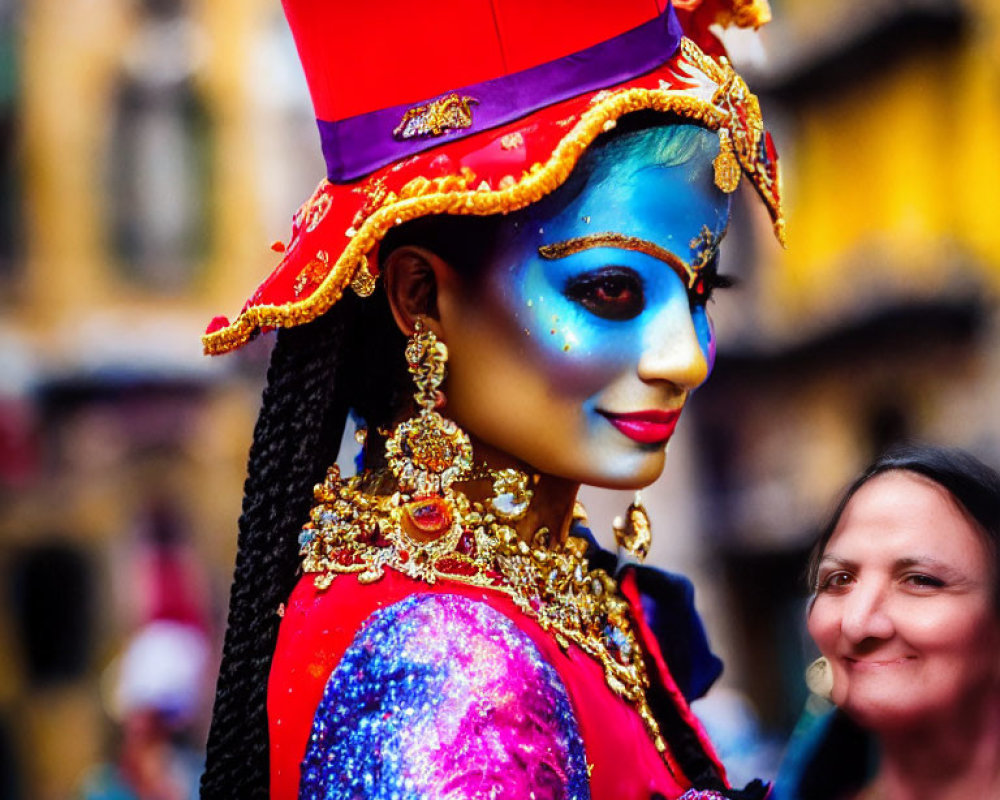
{"type": "Point", "coordinates": [906, 612]}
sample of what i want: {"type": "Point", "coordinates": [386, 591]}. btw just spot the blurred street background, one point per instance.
{"type": "Point", "coordinates": [150, 152]}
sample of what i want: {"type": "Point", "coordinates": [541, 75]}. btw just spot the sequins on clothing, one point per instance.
{"type": "Point", "coordinates": [440, 696]}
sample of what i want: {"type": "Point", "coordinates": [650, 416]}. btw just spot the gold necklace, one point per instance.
{"type": "Point", "coordinates": [363, 525]}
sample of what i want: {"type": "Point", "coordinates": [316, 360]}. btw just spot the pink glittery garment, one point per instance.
{"type": "Point", "coordinates": [441, 696]}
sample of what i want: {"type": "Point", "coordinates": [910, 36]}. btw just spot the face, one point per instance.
{"type": "Point", "coordinates": [588, 331]}
{"type": "Point", "coordinates": [904, 607]}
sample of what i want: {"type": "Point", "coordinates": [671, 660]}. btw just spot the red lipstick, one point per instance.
{"type": "Point", "coordinates": [645, 427]}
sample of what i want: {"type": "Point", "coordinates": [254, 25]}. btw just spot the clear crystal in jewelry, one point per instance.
{"type": "Point", "coordinates": [511, 495]}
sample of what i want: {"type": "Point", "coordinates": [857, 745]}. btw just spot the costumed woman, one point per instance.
{"type": "Point", "coordinates": [504, 278]}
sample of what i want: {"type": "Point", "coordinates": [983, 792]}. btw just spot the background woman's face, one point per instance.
{"type": "Point", "coordinates": [583, 340]}
{"type": "Point", "coordinates": [904, 608]}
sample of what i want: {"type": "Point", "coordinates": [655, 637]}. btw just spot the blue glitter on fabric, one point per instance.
{"type": "Point", "coordinates": [441, 696]}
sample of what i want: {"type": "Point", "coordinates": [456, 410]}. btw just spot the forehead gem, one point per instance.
{"type": "Point", "coordinates": [704, 246]}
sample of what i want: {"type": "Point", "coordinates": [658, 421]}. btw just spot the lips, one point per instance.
{"type": "Point", "coordinates": [875, 664]}
{"type": "Point", "coordinates": [645, 427]}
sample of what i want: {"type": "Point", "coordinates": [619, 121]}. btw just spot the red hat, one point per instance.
{"type": "Point", "coordinates": [484, 107]}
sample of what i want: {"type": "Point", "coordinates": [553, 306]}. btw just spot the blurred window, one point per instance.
{"type": "Point", "coordinates": [159, 164]}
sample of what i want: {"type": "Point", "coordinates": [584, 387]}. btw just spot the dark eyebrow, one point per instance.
{"type": "Point", "coordinates": [947, 570]}
{"type": "Point", "coordinates": [833, 561]}
{"type": "Point", "coordinates": [899, 565]}
{"type": "Point", "coordinates": [551, 252]}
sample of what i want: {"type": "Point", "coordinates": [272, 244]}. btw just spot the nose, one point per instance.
{"type": "Point", "coordinates": [672, 351]}
{"type": "Point", "coordinates": [866, 614]}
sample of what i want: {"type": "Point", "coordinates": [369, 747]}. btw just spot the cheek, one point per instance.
{"type": "Point", "coordinates": [957, 632]}
{"type": "Point", "coordinates": [579, 351]}
{"type": "Point", "coordinates": [823, 624]}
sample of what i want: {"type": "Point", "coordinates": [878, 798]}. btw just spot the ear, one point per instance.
{"type": "Point", "coordinates": [413, 277]}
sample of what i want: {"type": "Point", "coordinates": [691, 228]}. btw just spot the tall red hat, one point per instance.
{"type": "Point", "coordinates": [484, 107]}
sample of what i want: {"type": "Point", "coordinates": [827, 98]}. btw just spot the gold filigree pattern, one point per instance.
{"type": "Point", "coordinates": [312, 273]}
{"type": "Point", "coordinates": [448, 113]}
{"type": "Point", "coordinates": [704, 246]}
{"type": "Point", "coordinates": [743, 140]}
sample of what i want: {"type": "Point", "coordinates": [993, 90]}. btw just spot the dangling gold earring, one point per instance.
{"type": "Point", "coordinates": [427, 453]}
{"type": "Point", "coordinates": [819, 677]}
{"type": "Point", "coordinates": [634, 534]}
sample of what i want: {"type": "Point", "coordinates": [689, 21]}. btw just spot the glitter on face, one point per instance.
{"type": "Point", "coordinates": [652, 206]}
{"type": "Point", "coordinates": [443, 696]}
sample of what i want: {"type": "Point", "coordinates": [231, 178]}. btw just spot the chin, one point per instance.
{"type": "Point", "coordinates": [627, 471]}
{"type": "Point", "coordinates": [607, 462]}
{"type": "Point", "coordinates": [887, 711]}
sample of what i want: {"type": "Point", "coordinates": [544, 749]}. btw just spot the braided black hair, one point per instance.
{"type": "Point", "coordinates": [295, 440]}
{"type": "Point", "coordinates": [350, 358]}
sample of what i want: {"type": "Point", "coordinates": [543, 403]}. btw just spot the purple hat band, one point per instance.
{"type": "Point", "coordinates": [356, 146]}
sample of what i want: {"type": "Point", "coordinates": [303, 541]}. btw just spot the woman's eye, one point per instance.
{"type": "Point", "coordinates": [614, 293]}
{"type": "Point", "coordinates": [835, 581]}
{"type": "Point", "coordinates": [921, 581]}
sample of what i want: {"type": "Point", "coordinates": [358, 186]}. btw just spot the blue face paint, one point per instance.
{"type": "Point", "coordinates": [599, 294]}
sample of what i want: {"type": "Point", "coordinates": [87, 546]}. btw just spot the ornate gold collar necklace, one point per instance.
{"type": "Point", "coordinates": [354, 531]}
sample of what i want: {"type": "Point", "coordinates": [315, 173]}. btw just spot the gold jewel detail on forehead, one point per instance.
{"type": "Point", "coordinates": [557, 250]}
{"type": "Point", "coordinates": [704, 247]}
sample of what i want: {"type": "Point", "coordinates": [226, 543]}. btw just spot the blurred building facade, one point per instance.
{"type": "Point", "coordinates": [151, 149]}
{"type": "Point", "coordinates": [141, 185]}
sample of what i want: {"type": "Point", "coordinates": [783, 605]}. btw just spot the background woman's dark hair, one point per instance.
{"type": "Point", "coordinates": [350, 358]}
{"type": "Point", "coordinates": [973, 485]}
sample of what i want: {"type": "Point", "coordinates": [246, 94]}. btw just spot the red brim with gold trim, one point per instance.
{"type": "Point", "coordinates": [509, 166]}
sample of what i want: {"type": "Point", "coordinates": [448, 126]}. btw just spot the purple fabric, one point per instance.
{"type": "Point", "coordinates": [356, 146]}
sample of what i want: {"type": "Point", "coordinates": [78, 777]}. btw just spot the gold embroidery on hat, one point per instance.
{"type": "Point", "coordinates": [448, 113]}
{"type": "Point", "coordinates": [512, 141]}
{"type": "Point", "coordinates": [363, 282]}
{"type": "Point", "coordinates": [313, 272]}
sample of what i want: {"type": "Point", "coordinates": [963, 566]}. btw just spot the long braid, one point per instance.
{"type": "Point", "coordinates": [295, 440]}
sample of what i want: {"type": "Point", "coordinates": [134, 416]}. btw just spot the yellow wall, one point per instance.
{"type": "Point", "coordinates": [893, 181]}
{"type": "Point", "coordinates": [72, 53]}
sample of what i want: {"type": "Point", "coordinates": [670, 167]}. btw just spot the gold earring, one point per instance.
{"type": "Point", "coordinates": [819, 677]}
{"type": "Point", "coordinates": [427, 453]}
{"type": "Point", "coordinates": [634, 534]}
